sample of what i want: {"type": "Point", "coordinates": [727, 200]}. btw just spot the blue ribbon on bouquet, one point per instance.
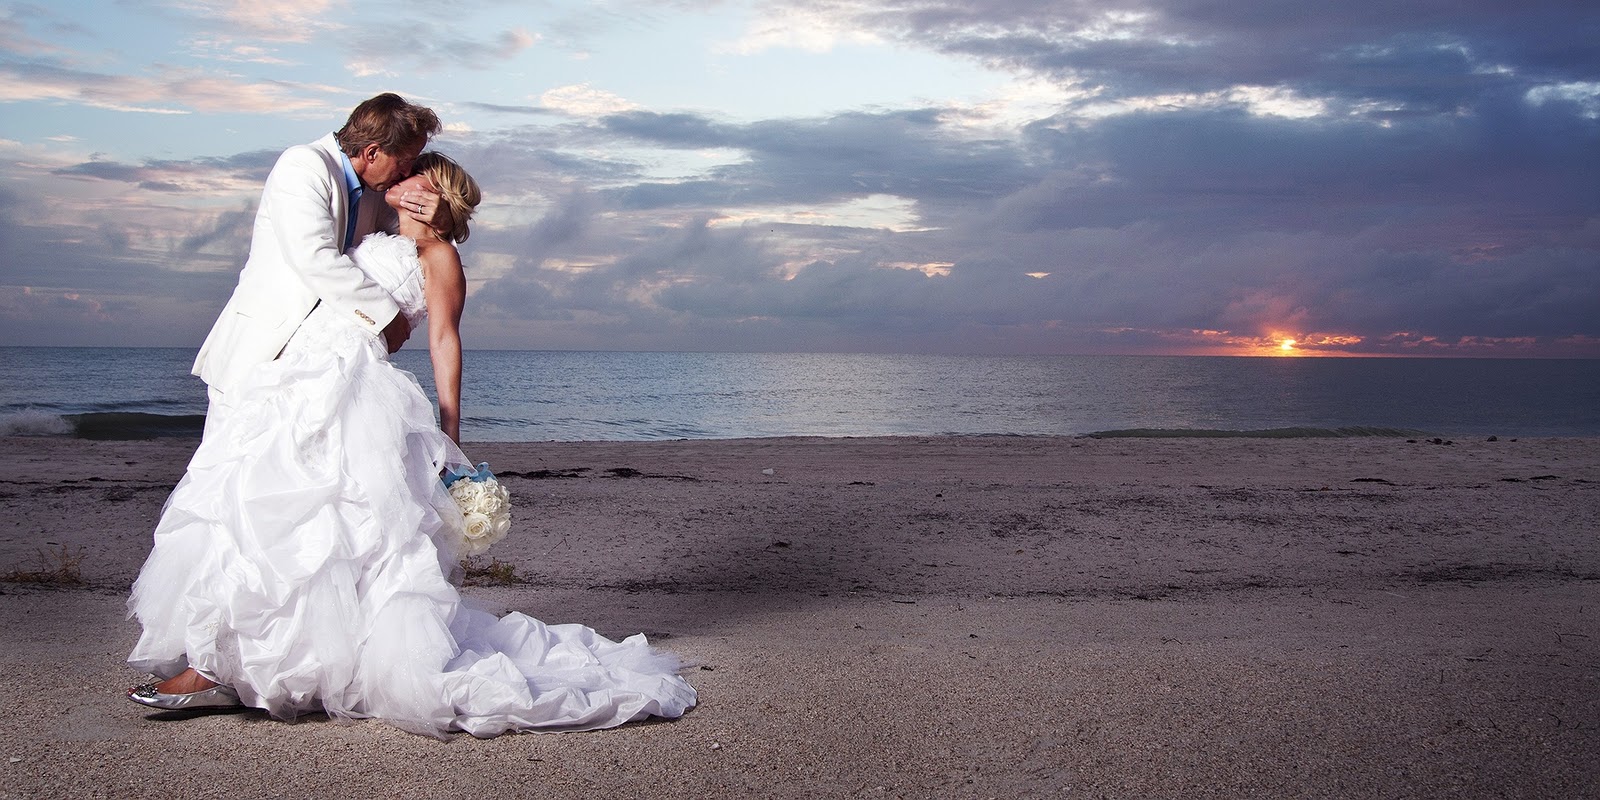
{"type": "Point", "coordinates": [477, 474]}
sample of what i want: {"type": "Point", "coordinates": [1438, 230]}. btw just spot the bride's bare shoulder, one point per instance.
{"type": "Point", "coordinates": [441, 264]}
{"type": "Point", "coordinates": [438, 253]}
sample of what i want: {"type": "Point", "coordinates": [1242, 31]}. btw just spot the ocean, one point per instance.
{"type": "Point", "coordinates": [574, 396]}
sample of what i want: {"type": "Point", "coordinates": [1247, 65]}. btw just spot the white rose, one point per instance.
{"type": "Point", "coordinates": [502, 525]}
{"type": "Point", "coordinates": [478, 530]}
{"type": "Point", "coordinates": [465, 491]}
{"type": "Point", "coordinates": [490, 498]}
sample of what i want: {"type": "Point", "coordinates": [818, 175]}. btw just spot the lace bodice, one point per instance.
{"type": "Point", "coordinates": [392, 262]}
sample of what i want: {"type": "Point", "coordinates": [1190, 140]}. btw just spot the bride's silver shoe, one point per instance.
{"type": "Point", "coordinates": [218, 696]}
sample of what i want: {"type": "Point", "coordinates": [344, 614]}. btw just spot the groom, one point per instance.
{"type": "Point", "coordinates": [319, 199]}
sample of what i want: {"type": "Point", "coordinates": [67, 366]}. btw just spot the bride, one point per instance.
{"type": "Point", "coordinates": [301, 564]}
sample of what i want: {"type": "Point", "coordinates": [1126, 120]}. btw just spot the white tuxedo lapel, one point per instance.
{"type": "Point", "coordinates": [339, 199]}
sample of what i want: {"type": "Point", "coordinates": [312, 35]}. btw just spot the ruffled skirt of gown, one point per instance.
{"type": "Point", "coordinates": [303, 560]}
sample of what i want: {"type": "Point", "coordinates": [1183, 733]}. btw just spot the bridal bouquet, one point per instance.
{"type": "Point", "coordinates": [485, 507]}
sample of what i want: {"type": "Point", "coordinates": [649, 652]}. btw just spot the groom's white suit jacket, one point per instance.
{"type": "Point", "coordinates": [296, 260]}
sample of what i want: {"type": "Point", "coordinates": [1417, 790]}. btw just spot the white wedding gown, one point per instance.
{"type": "Point", "coordinates": [303, 559]}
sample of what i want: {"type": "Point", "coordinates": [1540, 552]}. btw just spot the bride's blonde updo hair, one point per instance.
{"type": "Point", "coordinates": [455, 187]}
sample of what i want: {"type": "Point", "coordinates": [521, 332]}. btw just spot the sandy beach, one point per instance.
{"type": "Point", "coordinates": [917, 617]}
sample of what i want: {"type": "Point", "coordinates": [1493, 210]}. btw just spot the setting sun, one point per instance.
{"type": "Point", "coordinates": [1287, 345]}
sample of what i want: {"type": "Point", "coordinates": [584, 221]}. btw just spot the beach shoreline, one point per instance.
{"type": "Point", "coordinates": [964, 616]}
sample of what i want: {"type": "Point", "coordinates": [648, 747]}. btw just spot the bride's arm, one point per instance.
{"type": "Point", "coordinates": [446, 293]}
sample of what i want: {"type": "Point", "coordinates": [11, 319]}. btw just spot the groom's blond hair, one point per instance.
{"type": "Point", "coordinates": [389, 122]}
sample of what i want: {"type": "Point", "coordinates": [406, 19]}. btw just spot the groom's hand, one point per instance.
{"type": "Point", "coordinates": [397, 332]}
{"type": "Point", "coordinates": [424, 206]}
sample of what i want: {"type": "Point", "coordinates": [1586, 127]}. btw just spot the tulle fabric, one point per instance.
{"type": "Point", "coordinates": [303, 560]}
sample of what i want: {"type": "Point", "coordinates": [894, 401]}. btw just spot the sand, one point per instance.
{"type": "Point", "coordinates": [919, 617]}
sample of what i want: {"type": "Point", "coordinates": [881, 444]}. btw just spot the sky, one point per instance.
{"type": "Point", "coordinates": [1250, 177]}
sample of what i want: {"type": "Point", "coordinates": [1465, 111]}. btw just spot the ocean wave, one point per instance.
{"type": "Point", "coordinates": [34, 423]}
{"type": "Point", "coordinates": [136, 425]}
{"type": "Point", "coordinates": [1267, 433]}
{"type": "Point", "coordinates": [102, 425]}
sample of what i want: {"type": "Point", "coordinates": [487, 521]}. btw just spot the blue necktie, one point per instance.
{"type": "Point", "coordinates": [350, 224]}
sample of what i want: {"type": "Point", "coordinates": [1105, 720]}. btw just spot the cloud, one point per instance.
{"type": "Point", "coordinates": [229, 50]}
{"type": "Point", "coordinates": [812, 27]}
{"type": "Point", "coordinates": [1155, 176]}
{"type": "Point", "coordinates": [107, 281]}
{"type": "Point", "coordinates": [199, 175]}
{"type": "Point", "coordinates": [171, 91]}
{"type": "Point", "coordinates": [530, 110]}
{"type": "Point", "coordinates": [1355, 58]}
{"type": "Point", "coordinates": [269, 20]}
{"type": "Point", "coordinates": [423, 48]}
{"type": "Point", "coordinates": [1214, 219]}
{"type": "Point", "coordinates": [23, 304]}
{"type": "Point", "coordinates": [14, 38]}
{"type": "Point", "coordinates": [1585, 95]}
{"type": "Point", "coordinates": [583, 100]}
{"type": "Point", "coordinates": [112, 248]}
{"type": "Point", "coordinates": [228, 232]}
{"type": "Point", "coordinates": [47, 70]}
{"type": "Point", "coordinates": [911, 154]}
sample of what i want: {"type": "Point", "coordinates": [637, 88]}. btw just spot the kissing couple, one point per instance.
{"type": "Point", "coordinates": [303, 564]}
